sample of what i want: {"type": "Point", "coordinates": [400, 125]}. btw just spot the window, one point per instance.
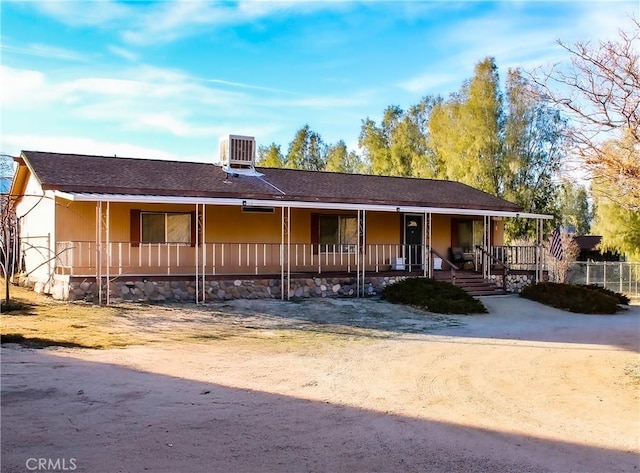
{"type": "Point", "coordinates": [339, 230]}
{"type": "Point", "coordinates": [469, 234]}
{"type": "Point", "coordinates": [161, 227]}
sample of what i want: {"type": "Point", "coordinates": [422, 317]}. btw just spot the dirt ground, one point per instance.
{"type": "Point", "coordinates": [332, 386]}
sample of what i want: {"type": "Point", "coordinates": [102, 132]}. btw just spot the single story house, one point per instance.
{"type": "Point", "coordinates": [112, 227]}
{"type": "Point", "coordinates": [590, 251]}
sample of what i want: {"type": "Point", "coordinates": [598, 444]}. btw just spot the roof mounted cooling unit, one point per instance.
{"type": "Point", "coordinates": [238, 155]}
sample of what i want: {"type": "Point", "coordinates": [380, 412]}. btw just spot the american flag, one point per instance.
{"type": "Point", "coordinates": [556, 244]}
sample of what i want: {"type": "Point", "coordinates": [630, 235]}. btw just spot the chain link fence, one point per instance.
{"type": "Point", "coordinates": [616, 276]}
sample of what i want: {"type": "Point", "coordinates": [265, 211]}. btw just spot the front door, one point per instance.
{"type": "Point", "coordinates": [413, 238]}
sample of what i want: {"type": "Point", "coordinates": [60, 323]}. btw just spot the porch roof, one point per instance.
{"type": "Point", "coordinates": [159, 199]}
{"type": "Point", "coordinates": [100, 178]}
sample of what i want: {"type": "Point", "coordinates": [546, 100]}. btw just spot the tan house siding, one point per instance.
{"type": "Point", "coordinates": [75, 220]}
{"type": "Point", "coordinates": [235, 240]}
{"type": "Point", "coordinates": [441, 234]}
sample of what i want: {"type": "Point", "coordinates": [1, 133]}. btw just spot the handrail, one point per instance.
{"type": "Point", "coordinates": [493, 258]}
{"type": "Point", "coordinates": [452, 266]}
{"type": "Point", "coordinates": [505, 266]}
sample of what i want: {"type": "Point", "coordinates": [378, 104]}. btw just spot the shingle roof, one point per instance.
{"type": "Point", "coordinates": [587, 242]}
{"type": "Point", "coordinates": [114, 175]}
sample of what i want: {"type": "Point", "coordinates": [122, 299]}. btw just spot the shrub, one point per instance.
{"type": "Point", "coordinates": [622, 299]}
{"type": "Point", "coordinates": [573, 298]}
{"type": "Point", "coordinates": [434, 296]}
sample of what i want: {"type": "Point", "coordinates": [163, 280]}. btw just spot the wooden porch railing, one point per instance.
{"type": "Point", "coordinates": [452, 266]}
{"type": "Point", "coordinates": [121, 257]}
{"type": "Point", "coordinates": [492, 258]}
{"type": "Point", "coordinates": [81, 258]}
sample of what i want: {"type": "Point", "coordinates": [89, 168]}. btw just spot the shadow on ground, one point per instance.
{"type": "Point", "coordinates": [109, 418]}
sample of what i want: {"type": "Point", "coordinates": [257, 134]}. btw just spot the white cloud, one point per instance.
{"type": "Point", "coordinates": [170, 123]}
{"type": "Point", "coordinates": [84, 13]}
{"type": "Point", "coordinates": [527, 40]}
{"type": "Point", "coordinates": [157, 101]}
{"type": "Point", "coordinates": [22, 88]}
{"type": "Point", "coordinates": [429, 81]}
{"type": "Point", "coordinates": [13, 144]}
{"type": "Point", "coordinates": [155, 23]}
{"type": "Point", "coordinates": [123, 53]}
{"type": "Point", "coordinates": [46, 51]}
{"type": "Point", "coordinates": [168, 21]}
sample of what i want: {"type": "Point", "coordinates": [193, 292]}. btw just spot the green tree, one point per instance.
{"type": "Point", "coordinates": [340, 159]}
{"type": "Point", "coordinates": [617, 217]}
{"type": "Point", "coordinates": [533, 150]}
{"type": "Point", "coordinates": [574, 207]}
{"type": "Point", "coordinates": [374, 148]}
{"type": "Point", "coordinates": [466, 131]}
{"type": "Point", "coordinates": [399, 146]}
{"type": "Point", "coordinates": [270, 156]}
{"type": "Point", "coordinates": [619, 227]}
{"type": "Point", "coordinates": [306, 151]}
{"type": "Point", "coordinates": [424, 162]}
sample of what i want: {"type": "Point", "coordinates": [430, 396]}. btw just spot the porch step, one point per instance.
{"type": "Point", "coordinates": [473, 283]}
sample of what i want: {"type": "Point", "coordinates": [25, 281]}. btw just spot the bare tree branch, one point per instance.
{"type": "Point", "coordinates": [599, 91]}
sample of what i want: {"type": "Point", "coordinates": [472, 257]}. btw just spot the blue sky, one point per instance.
{"type": "Point", "coordinates": [166, 79]}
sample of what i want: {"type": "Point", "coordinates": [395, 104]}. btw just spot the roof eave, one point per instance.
{"type": "Point", "coordinates": [243, 201]}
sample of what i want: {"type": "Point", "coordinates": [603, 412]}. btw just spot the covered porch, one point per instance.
{"type": "Point", "coordinates": [207, 239]}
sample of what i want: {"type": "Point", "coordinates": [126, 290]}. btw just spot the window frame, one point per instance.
{"type": "Point", "coordinates": [338, 246]}
{"type": "Point", "coordinates": [187, 242]}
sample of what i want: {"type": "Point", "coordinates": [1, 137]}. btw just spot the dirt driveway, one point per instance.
{"type": "Point", "coordinates": [333, 386]}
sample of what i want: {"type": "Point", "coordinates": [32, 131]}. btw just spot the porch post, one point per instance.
{"type": "Point", "coordinates": [200, 276]}
{"type": "Point", "coordinates": [288, 252]}
{"type": "Point", "coordinates": [99, 250]}
{"type": "Point", "coordinates": [539, 250]}
{"type": "Point", "coordinates": [285, 247]}
{"type": "Point", "coordinates": [361, 260]}
{"type": "Point", "coordinates": [204, 252]}
{"type": "Point", "coordinates": [102, 252]}
{"type": "Point", "coordinates": [197, 255]}
{"type": "Point", "coordinates": [427, 267]}
{"type": "Point", "coordinates": [485, 243]}
{"type": "Point", "coordinates": [358, 258]}
{"type": "Point", "coordinates": [108, 250]}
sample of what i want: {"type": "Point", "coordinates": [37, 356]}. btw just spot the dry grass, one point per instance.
{"type": "Point", "coordinates": [44, 321]}
{"type": "Point", "coordinates": [65, 323]}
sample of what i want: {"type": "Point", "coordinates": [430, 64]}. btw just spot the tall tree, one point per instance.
{"type": "Point", "coordinates": [399, 146]}
{"type": "Point", "coordinates": [306, 151]}
{"type": "Point", "coordinates": [618, 225]}
{"type": "Point", "coordinates": [424, 162]}
{"type": "Point", "coordinates": [600, 92]}
{"type": "Point", "coordinates": [466, 131]}
{"type": "Point", "coordinates": [534, 148]}
{"type": "Point", "coordinates": [574, 207]}
{"type": "Point", "coordinates": [376, 143]}
{"type": "Point", "coordinates": [270, 156]}
{"type": "Point", "coordinates": [616, 218]}
{"type": "Point", "coordinates": [340, 159]}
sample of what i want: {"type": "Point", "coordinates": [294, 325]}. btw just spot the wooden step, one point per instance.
{"type": "Point", "coordinates": [471, 282]}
